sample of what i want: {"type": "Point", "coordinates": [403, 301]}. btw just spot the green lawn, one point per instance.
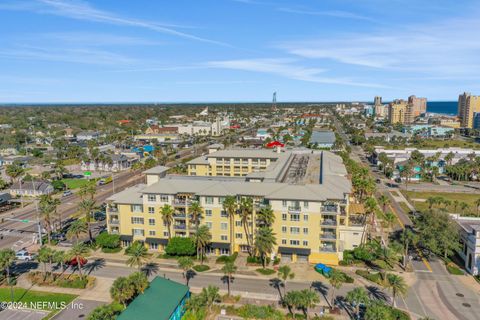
{"type": "Point", "coordinates": [29, 297]}
{"type": "Point", "coordinates": [75, 183]}
{"type": "Point", "coordinates": [468, 198]}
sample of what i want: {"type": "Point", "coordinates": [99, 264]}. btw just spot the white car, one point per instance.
{"type": "Point", "coordinates": [24, 255]}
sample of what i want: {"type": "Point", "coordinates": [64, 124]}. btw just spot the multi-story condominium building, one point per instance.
{"type": "Point", "coordinates": [309, 194]}
{"type": "Point", "coordinates": [398, 112]}
{"type": "Point", "coordinates": [417, 105]}
{"type": "Point", "coordinates": [468, 105]}
{"type": "Point", "coordinates": [470, 240]}
{"type": "Point", "coordinates": [381, 111]}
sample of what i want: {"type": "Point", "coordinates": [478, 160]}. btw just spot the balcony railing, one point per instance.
{"type": "Point", "coordinates": [113, 209]}
{"type": "Point", "coordinates": [294, 209]}
{"type": "Point", "coordinates": [114, 221]}
{"type": "Point", "coordinates": [180, 226]}
{"type": "Point", "coordinates": [329, 209]}
{"type": "Point", "coordinates": [328, 249]}
{"type": "Point", "coordinates": [180, 215]}
{"type": "Point", "coordinates": [329, 222]}
{"type": "Point", "coordinates": [114, 231]}
{"type": "Point", "coordinates": [180, 202]}
{"type": "Point", "coordinates": [328, 236]}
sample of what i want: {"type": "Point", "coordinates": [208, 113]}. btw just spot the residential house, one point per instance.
{"type": "Point", "coordinates": [34, 188]}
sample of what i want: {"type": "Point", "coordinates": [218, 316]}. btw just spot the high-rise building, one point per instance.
{"type": "Point", "coordinates": [467, 106]}
{"type": "Point", "coordinates": [417, 105]}
{"type": "Point", "coordinates": [476, 120]}
{"type": "Point", "coordinates": [377, 101]}
{"type": "Point", "coordinates": [398, 112]}
{"type": "Point", "coordinates": [381, 111]}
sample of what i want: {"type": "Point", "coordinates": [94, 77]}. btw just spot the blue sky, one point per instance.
{"type": "Point", "coordinates": [237, 50]}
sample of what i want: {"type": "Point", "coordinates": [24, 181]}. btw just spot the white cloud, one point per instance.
{"type": "Point", "coordinates": [95, 39]}
{"type": "Point", "coordinates": [328, 13]}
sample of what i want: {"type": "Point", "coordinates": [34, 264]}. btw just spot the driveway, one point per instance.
{"type": "Point", "coordinates": [78, 309]}
{"type": "Point", "coordinates": [11, 314]}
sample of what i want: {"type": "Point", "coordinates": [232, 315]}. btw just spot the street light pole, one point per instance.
{"type": "Point", "coordinates": [40, 240]}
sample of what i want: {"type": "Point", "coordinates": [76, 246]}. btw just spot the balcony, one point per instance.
{"type": "Point", "coordinates": [112, 209]}
{"type": "Point", "coordinates": [114, 222]}
{"type": "Point", "coordinates": [180, 226]}
{"type": "Point", "coordinates": [328, 236]}
{"type": "Point", "coordinates": [328, 222]}
{"type": "Point", "coordinates": [182, 202]}
{"type": "Point", "coordinates": [294, 209]}
{"type": "Point", "coordinates": [114, 231]}
{"type": "Point", "coordinates": [329, 209]}
{"type": "Point", "coordinates": [179, 215]}
{"type": "Point", "coordinates": [328, 248]}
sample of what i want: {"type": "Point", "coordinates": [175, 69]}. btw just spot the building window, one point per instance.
{"type": "Point", "coordinates": [151, 232]}
{"type": "Point", "coordinates": [238, 235]}
{"type": "Point", "coordinates": [305, 230]}
{"type": "Point", "coordinates": [136, 208]}
{"type": "Point", "coordinates": [284, 216]}
{"type": "Point", "coordinates": [208, 200]}
{"type": "Point", "coordinates": [224, 251]}
{"type": "Point", "coordinates": [151, 209]}
{"type": "Point", "coordinates": [221, 200]}
{"type": "Point", "coordinates": [284, 229]}
{"type": "Point", "coordinates": [137, 220]}
{"type": "Point", "coordinates": [284, 241]}
{"type": "Point", "coordinates": [305, 243]}
{"type": "Point", "coordinates": [138, 232]}
{"type": "Point", "coordinates": [295, 217]}
{"type": "Point", "coordinates": [284, 203]}
{"type": "Point", "coordinates": [305, 204]}
{"type": "Point", "coordinates": [223, 237]}
{"type": "Point", "coordinates": [294, 242]}
{"type": "Point", "coordinates": [238, 223]}
{"type": "Point", "coordinates": [152, 197]}
{"type": "Point", "coordinates": [164, 198]}
{"type": "Point", "coordinates": [151, 222]}
{"type": "Point", "coordinates": [153, 246]}
{"type": "Point", "coordinates": [294, 230]}
{"type": "Point", "coordinates": [224, 226]}
{"type": "Point", "coordinates": [165, 233]}
{"type": "Point", "coordinates": [305, 217]}
{"type": "Point", "coordinates": [208, 212]}
{"type": "Point", "coordinates": [223, 214]}
{"type": "Point", "coordinates": [208, 224]}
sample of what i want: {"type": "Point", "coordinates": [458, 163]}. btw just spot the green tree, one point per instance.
{"type": "Point", "coordinates": [139, 282]}
{"type": "Point", "coordinates": [246, 211]}
{"type": "Point", "coordinates": [265, 242]}
{"type": "Point", "coordinates": [202, 238]}
{"type": "Point", "coordinates": [103, 312]}
{"type": "Point", "coordinates": [7, 258]}
{"type": "Point", "coordinates": [78, 253]}
{"type": "Point", "coordinates": [209, 295]}
{"type": "Point", "coordinates": [265, 217]}
{"type": "Point", "coordinates": [397, 285]}
{"type": "Point", "coordinates": [77, 228]}
{"type": "Point", "coordinates": [285, 273]}
{"type": "Point", "coordinates": [229, 270]}
{"type": "Point", "coordinates": [336, 279]}
{"type": "Point", "coordinates": [377, 310]}
{"type": "Point", "coordinates": [106, 240]}
{"type": "Point", "coordinates": [138, 254]}
{"type": "Point", "coordinates": [86, 206]}
{"type": "Point", "coordinates": [14, 171]}
{"type": "Point", "coordinates": [45, 255]}
{"type": "Point", "coordinates": [356, 297]}
{"type": "Point", "coordinates": [230, 206]}
{"type": "Point", "coordinates": [167, 212]}
{"type": "Point", "coordinates": [179, 246]}
{"type": "Point", "coordinates": [122, 290]}
{"type": "Point", "coordinates": [308, 299]}
{"type": "Point", "coordinates": [196, 212]}
{"type": "Point", "coordinates": [186, 264]}
{"type": "Point", "coordinates": [384, 202]}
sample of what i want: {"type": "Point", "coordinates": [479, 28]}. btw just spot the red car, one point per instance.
{"type": "Point", "coordinates": [74, 262]}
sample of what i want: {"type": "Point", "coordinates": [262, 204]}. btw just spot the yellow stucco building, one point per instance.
{"type": "Point", "coordinates": [309, 194]}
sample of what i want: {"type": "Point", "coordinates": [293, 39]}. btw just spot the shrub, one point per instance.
{"type": "Point", "coordinates": [250, 311]}
{"type": "Point", "coordinates": [106, 240]}
{"type": "Point", "coordinates": [276, 261]}
{"type": "Point", "coordinates": [257, 260]}
{"type": "Point", "coordinates": [201, 268]}
{"type": "Point", "coordinates": [58, 185]}
{"type": "Point", "coordinates": [373, 277]}
{"type": "Point", "coordinates": [265, 272]}
{"type": "Point", "coordinates": [111, 250]}
{"type": "Point", "coordinates": [73, 281]}
{"type": "Point", "coordinates": [453, 269]}
{"type": "Point", "coordinates": [225, 259]}
{"type": "Point", "coordinates": [179, 246]}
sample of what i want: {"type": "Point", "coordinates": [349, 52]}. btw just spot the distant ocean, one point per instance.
{"type": "Point", "coordinates": [446, 107]}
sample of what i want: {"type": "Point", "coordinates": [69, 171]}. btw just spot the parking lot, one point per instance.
{"type": "Point", "coordinates": [10, 314]}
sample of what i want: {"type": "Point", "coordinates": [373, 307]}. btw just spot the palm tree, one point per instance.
{"type": "Point", "coordinates": [122, 290]}
{"type": "Point", "coordinates": [337, 278]}
{"type": "Point", "coordinates": [14, 171]}
{"type": "Point", "coordinates": [86, 206]}
{"type": "Point", "coordinates": [230, 206]}
{"type": "Point", "coordinates": [45, 255]}
{"type": "Point", "coordinates": [59, 258]}
{"type": "Point", "coordinates": [77, 228]}
{"type": "Point", "coordinates": [7, 258]}
{"type": "Point", "coordinates": [407, 237]}
{"type": "Point", "coordinates": [139, 281]}
{"type": "Point", "coordinates": [229, 270]}
{"type": "Point", "coordinates": [285, 272]}
{"type": "Point", "coordinates": [463, 206]}
{"type": "Point", "coordinates": [356, 297]}
{"type": "Point", "coordinates": [46, 210]}
{"type": "Point", "coordinates": [308, 299]}
{"type": "Point", "coordinates": [186, 264]}
{"type": "Point", "coordinates": [246, 210]}
{"type": "Point", "coordinates": [209, 295]}
{"type": "Point", "coordinates": [167, 217]}
{"type": "Point", "coordinates": [265, 217]}
{"type": "Point", "coordinates": [264, 243]}
{"type": "Point", "coordinates": [202, 238]}
{"type": "Point", "coordinates": [196, 211]}
{"type": "Point", "coordinates": [397, 285]}
{"type": "Point", "coordinates": [138, 254]}
{"type": "Point", "coordinates": [384, 201]}
{"type": "Point", "coordinates": [78, 253]}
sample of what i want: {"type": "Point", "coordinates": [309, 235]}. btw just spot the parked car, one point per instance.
{"type": "Point", "coordinates": [59, 237]}
{"type": "Point", "coordinates": [73, 262]}
{"type": "Point", "coordinates": [99, 216]}
{"type": "Point", "coordinates": [67, 193]}
{"type": "Point", "coordinates": [23, 255]}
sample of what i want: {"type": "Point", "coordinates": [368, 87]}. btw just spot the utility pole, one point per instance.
{"type": "Point", "coordinates": [40, 240]}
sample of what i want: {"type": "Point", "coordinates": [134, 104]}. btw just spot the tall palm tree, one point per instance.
{"type": "Point", "coordinates": [14, 171]}
{"type": "Point", "coordinates": [139, 281]}
{"type": "Point", "coordinates": [86, 206]}
{"type": "Point", "coordinates": [265, 217]}
{"type": "Point", "coordinates": [196, 211]}
{"type": "Point", "coordinates": [397, 285]}
{"type": "Point", "coordinates": [246, 211]}
{"type": "Point", "coordinates": [264, 243]}
{"type": "Point", "coordinates": [337, 278]}
{"type": "Point", "coordinates": [308, 299]}
{"type": "Point", "coordinates": [138, 254]}
{"type": "Point", "coordinates": [186, 264]}
{"type": "Point", "coordinates": [384, 202]}
{"type": "Point", "coordinates": [122, 290]}
{"type": "Point", "coordinates": [202, 239]}
{"type": "Point", "coordinates": [7, 258]}
{"type": "Point", "coordinates": [209, 296]}
{"type": "Point", "coordinates": [45, 255]}
{"type": "Point", "coordinates": [78, 253]}
{"type": "Point", "coordinates": [285, 272]}
{"type": "Point", "coordinates": [230, 206]}
{"type": "Point", "coordinates": [356, 297]}
{"type": "Point", "coordinates": [46, 210]}
{"type": "Point", "coordinates": [167, 212]}
{"type": "Point", "coordinates": [77, 228]}
{"type": "Point", "coordinates": [229, 270]}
